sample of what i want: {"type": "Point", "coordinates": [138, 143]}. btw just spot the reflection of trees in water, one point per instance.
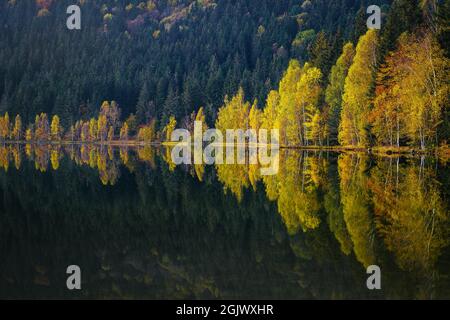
{"type": "Point", "coordinates": [41, 157]}
{"type": "Point", "coordinates": [4, 157]}
{"type": "Point", "coordinates": [147, 154]}
{"type": "Point", "coordinates": [412, 217]}
{"type": "Point", "coordinates": [294, 188]}
{"type": "Point", "coordinates": [374, 208]}
{"type": "Point", "coordinates": [15, 151]}
{"type": "Point", "coordinates": [298, 201]}
{"type": "Point", "coordinates": [355, 202]}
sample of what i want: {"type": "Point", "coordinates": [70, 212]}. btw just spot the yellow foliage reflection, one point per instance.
{"type": "Point", "coordinates": [396, 206]}
{"type": "Point", "coordinates": [298, 202]}
{"type": "Point", "coordinates": [355, 202]}
{"type": "Point", "coordinates": [413, 218]}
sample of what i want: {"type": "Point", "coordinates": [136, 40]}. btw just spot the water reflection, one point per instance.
{"type": "Point", "coordinates": [141, 227]}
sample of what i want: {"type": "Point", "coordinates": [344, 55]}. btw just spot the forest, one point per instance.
{"type": "Point", "coordinates": [87, 174]}
{"type": "Point", "coordinates": [312, 69]}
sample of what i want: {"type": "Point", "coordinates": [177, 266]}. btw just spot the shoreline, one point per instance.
{"type": "Point", "coordinates": [377, 150]}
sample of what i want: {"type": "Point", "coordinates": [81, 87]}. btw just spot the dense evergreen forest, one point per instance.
{"type": "Point", "coordinates": [310, 68]}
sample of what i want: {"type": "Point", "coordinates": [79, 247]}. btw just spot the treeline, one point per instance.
{"type": "Point", "coordinates": [377, 93]}
{"type": "Point", "coordinates": [106, 127]}
{"type": "Point", "coordinates": [403, 101]}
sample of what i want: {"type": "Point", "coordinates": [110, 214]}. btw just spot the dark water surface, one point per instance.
{"type": "Point", "coordinates": [139, 227]}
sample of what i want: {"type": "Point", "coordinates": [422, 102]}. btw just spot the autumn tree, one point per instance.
{"type": "Point", "coordinates": [124, 131]}
{"type": "Point", "coordinates": [200, 116]}
{"type": "Point", "coordinates": [102, 127]}
{"type": "Point", "coordinates": [42, 128]}
{"type": "Point", "coordinates": [356, 101]}
{"type": "Point", "coordinates": [234, 113]}
{"type": "Point", "coordinates": [308, 93]}
{"type": "Point", "coordinates": [255, 117]}
{"type": "Point", "coordinates": [93, 129]}
{"type": "Point", "coordinates": [112, 112]}
{"type": "Point", "coordinates": [412, 92]}
{"type": "Point", "coordinates": [424, 87]}
{"type": "Point", "coordinates": [111, 133]}
{"type": "Point", "coordinates": [287, 119]}
{"type": "Point", "coordinates": [29, 134]}
{"type": "Point", "coordinates": [270, 112]}
{"type": "Point", "coordinates": [335, 89]}
{"type": "Point", "coordinates": [55, 128]}
{"type": "Point", "coordinates": [170, 127]}
{"type": "Point", "coordinates": [17, 131]}
{"type": "Point", "coordinates": [299, 96]}
{"type": "Point", "coordinates": [388, 117]}
{"type": "Point", "coordinates": [84, 134]}
{"type": "Point", "coordinates": [4, 126]}
{"type": "Point", "coordinates": [147, 133]}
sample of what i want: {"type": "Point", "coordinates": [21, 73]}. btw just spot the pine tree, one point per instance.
{"type": "Point", "coordinates": [320, 53]}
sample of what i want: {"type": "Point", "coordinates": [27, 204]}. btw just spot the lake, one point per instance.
{"type": "Point", "coordinates": [140, 227]}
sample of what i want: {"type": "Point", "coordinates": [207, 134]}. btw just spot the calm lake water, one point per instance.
{"type": "Point", "coordinates": [139, 227]}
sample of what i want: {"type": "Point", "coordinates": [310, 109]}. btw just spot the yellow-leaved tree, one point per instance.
{"type": "Point", "coordinates": [424, 87]}
{"type": "Point", "coordinates": [288, 112]}
{"type": "Point", "coordinates": [55, 128]}
{"type": "Point", "coordinates": [201, 117]}
{"type": "Point", "coordinates": [255, 117]}
{"type": "Point", "coordinates": [93, 127]}
{"type": "Point", "coordinates": [4, 126]}
{"type": "Point", "coordinates": [17, 131]}
{"type": "Point", "coordinates": [170, 127]}
{"type": "Point", "coordinates": [234, 114]}
{"type": "Point", "coordinates": [270, 112]}
{"type": "Point", "coordinates": [298, 104]}
{"type": "Point", "coordinates": [335, 89]}
{"type": "Point", "coordinates": [356, 101]}
{"type": "Point", "coordinates": [124, 131]}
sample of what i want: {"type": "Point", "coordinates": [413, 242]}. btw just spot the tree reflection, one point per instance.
{"type": "Point", "coordinates": [367, 209]}
{"type": "Point", "coordinates": [355, 200]}
{"type": "Point", "coordinates": [412, 217]}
